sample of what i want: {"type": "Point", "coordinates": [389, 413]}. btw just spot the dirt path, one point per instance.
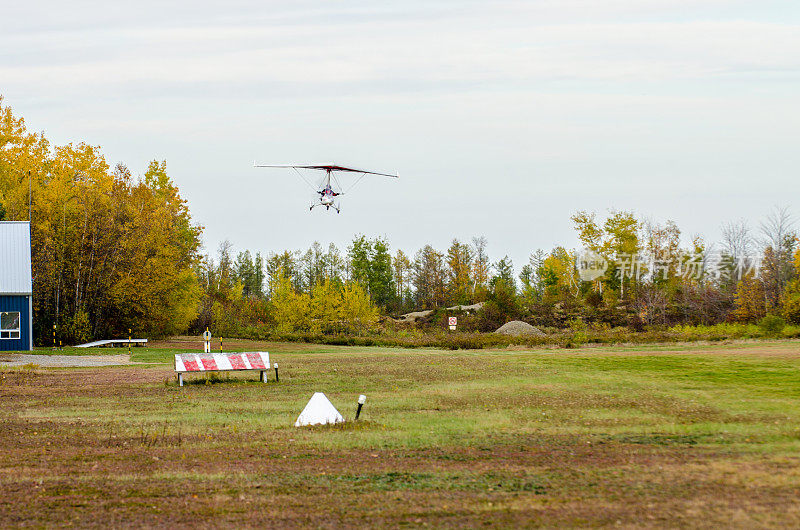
{"type": "Point", "coordinates": [63, 361]}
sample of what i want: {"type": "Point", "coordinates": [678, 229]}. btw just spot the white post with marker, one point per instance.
{"type": "Point", "coordinates": [207, 341]}
{"type": "Point", "coordinates": [361, 400]}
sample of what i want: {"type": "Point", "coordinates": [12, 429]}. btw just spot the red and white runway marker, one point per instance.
{"type": "Point", "coordinates": [221, 362]}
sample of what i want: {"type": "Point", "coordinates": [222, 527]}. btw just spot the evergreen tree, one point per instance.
{"type": "Point", "coordinates": [381, 281]}
{"type": "Point", "coordinates": [358, 257]}
{"type": "Point", "coordinates": [505, 272]}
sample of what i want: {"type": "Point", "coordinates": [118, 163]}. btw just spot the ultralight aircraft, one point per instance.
{"type": "Point", "coordinates": [328, 188]}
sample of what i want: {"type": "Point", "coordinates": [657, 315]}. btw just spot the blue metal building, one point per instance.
{"type": "Point", "coordinates": [16, 286]}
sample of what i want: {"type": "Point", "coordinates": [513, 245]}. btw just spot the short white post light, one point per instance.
{"type": "Point", "coordinates": [361, 400]}
{"type": "Point", "coordinates": [277, 380]}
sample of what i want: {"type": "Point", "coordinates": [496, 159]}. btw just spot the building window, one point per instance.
{"type": "Point", "coordinates": [9, 324]}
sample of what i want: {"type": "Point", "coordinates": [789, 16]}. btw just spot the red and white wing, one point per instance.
{"type": "Point", "coordinates": [329, 167]}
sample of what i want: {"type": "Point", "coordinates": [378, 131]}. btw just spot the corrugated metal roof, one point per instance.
{"type": "Point", "coordinates": [15, 257]}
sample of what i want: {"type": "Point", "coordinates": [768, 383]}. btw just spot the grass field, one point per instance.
{"type": "Point", "coordinates": [701, 436]}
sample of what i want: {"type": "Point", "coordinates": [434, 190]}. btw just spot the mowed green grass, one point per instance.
{"type": "Point", "coordinates": [656, 435]}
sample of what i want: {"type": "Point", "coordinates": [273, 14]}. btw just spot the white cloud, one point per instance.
{"type": "Point", "coordinates": [652, 103]}
{"type": "Point", "coordinates": [424, 54]}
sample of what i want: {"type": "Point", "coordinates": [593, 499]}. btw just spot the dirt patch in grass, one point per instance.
{"type": "Point", "coordinates": [566, 486]}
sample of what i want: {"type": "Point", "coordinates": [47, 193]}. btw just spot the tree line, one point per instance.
{"type": "Point", "coordinates": [648, 277]}
{"type": "Point", "coordinates": [113, 251]}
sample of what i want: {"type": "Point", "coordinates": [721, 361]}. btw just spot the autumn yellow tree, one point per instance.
{"type": "Point", "coordinates": [791, 299]}
{"type": "Point", "coordinates": [357, 311]}
{"type": "Point", "coordinates": [560, 275]}
{"type": "Point", "coordinates": [325, 309]}
{"type": "Point", "coordinates": [459, 267]}
{"type": "Point", "coordinates": [750, 300]}
{"type": "Point", "coordinates": [290, 309]}
{"type": "Point", "coordinates": [110, 251]}
{"type": "Point", "coordinates": [617, 240]}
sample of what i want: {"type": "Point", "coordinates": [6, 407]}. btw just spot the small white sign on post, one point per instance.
{"type": "Point", "coordinates": [207, 341]}
{"type": "Point", "coordinates": [452, 322]}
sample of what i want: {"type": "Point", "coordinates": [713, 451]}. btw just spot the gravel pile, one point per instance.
{"type": "Point", "coordinates": [518, 328]}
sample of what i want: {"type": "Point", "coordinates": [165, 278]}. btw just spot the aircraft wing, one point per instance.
{"type": "Point", "coordinates": [328, 168]}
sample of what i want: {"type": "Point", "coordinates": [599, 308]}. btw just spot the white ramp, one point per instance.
{"type": "Point", "coordinates": [112, 343]}
{"type": "Point", "coordinates": [318, 411]}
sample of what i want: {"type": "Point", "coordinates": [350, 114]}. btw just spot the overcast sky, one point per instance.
{"type": "Point", "coordinates": [502, 118]}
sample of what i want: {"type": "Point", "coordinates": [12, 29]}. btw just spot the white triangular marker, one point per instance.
{"type": "Point", "coordinates": [318, 411]}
